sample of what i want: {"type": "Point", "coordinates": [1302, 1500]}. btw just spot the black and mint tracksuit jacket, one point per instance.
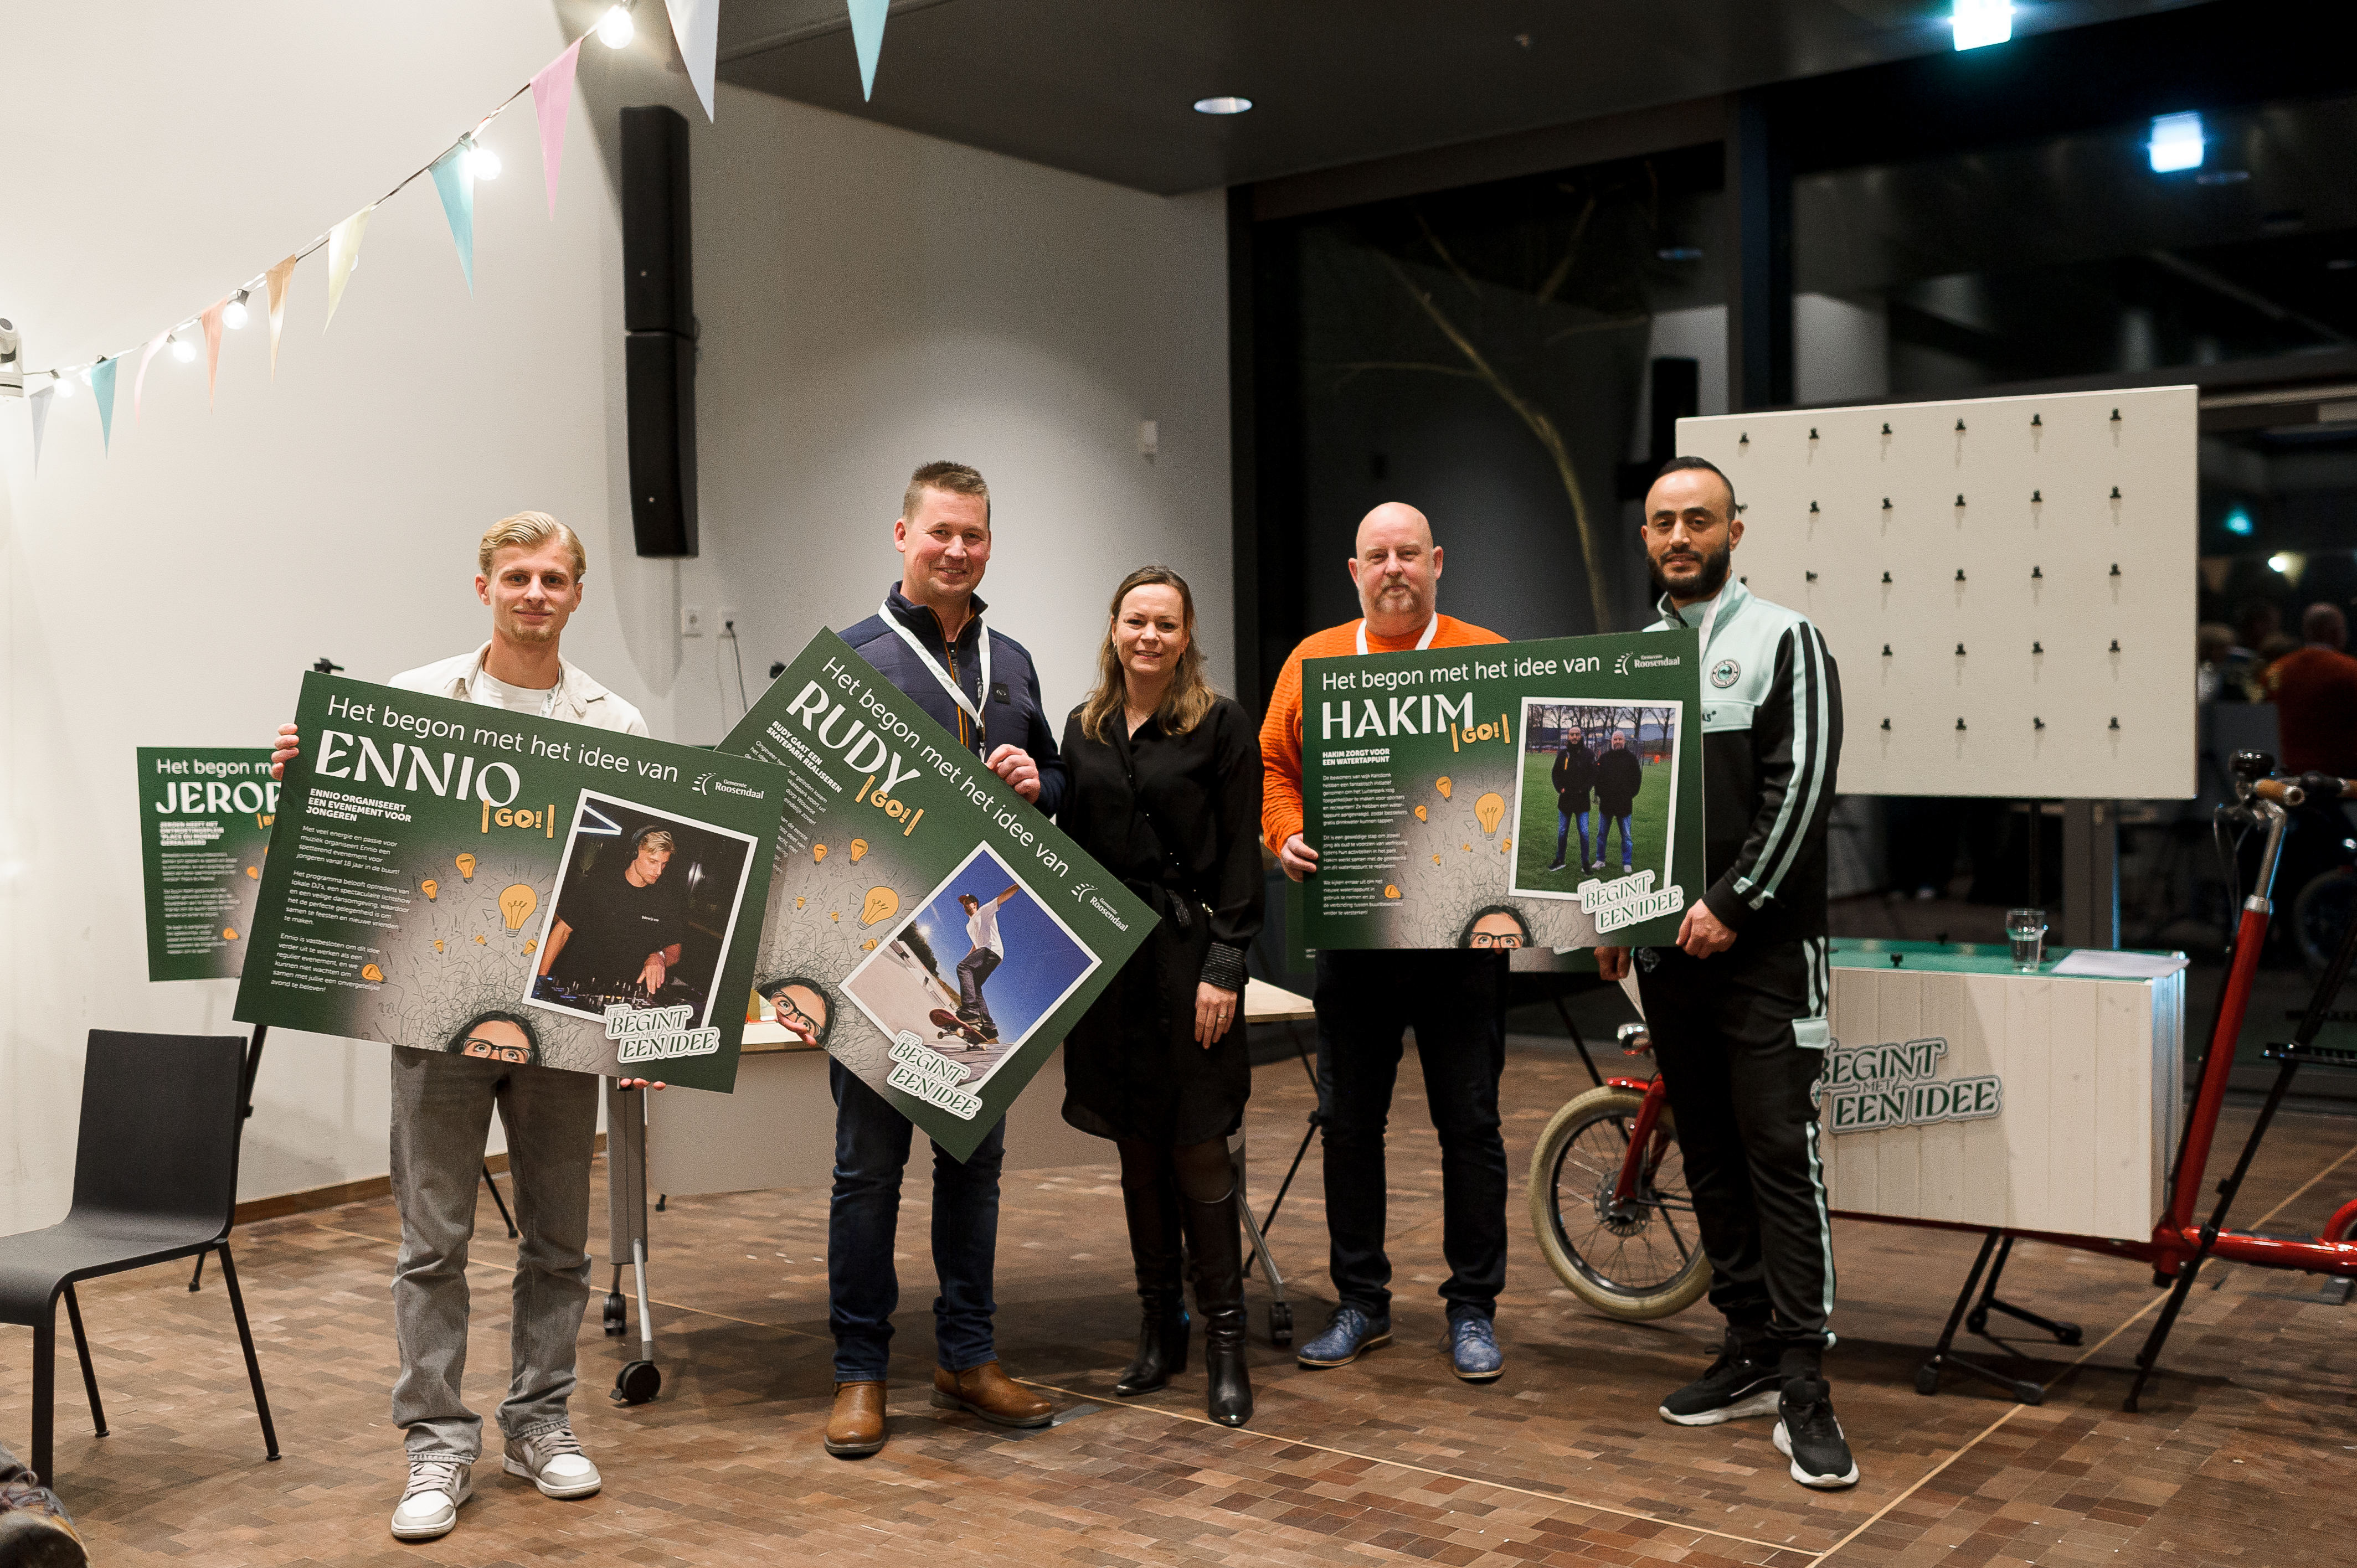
{"type": "Point", "coordinates": [1741, 1036]}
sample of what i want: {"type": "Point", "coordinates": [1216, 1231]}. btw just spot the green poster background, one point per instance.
{"type": "Point", "coordinates": [1427, 791]}
{"type": "Point", "coordinates": [425, 848]}
{"type": "Point", "coordinates": [888, 816]}
{"type": "Point", "coordinates": [204, 827]}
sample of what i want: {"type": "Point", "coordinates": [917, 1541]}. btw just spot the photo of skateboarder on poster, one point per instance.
{"type": "Point", "coordinates": [973, 970]}
{"type": "Point", "coordinates": [1597, 797]}
{"type": "Point", "coordinates": [645, 903]}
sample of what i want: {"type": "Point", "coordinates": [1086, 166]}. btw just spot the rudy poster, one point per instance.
{"type": "Point", "coordinates": [1522, 794]}
{"type": "Point", "coordinates": [458, 877]}
{"type": "Point", "coordinates": [204, 831]}
{"type": "Point", "coordinates": [939, 932]}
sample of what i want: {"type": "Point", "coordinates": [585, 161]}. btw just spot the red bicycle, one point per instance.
{"type": "Point", "coordinates": [1611, 1208]}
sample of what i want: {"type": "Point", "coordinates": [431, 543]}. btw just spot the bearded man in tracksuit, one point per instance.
{"type": "Point", "coordinates": [1737, 1009]}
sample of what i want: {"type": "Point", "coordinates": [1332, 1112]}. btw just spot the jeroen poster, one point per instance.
{"type": "Point", "coordinates": [1522, 794]}
{"type": "Point", "coordinates": [458, 877]}
{"type": "Point", "coordinates": [945, 933]}
{"type": "Point", "coordinates": [204, 831]}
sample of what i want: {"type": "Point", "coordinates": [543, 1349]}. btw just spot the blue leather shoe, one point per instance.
{"type": "Point", "coordinates": [1474, 1352]}
{"type": "Point", "coordinates": [1348, 1334]}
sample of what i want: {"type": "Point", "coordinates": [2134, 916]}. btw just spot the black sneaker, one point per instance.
{"type": "Point", "coordinates": [1555, 865]}
{"type": "Point", "coordinates": [1735, 1386]}
{"type": "Point", "coordinates": [1807, 1433]}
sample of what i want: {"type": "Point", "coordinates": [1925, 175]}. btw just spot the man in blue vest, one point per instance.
{"type": "Point", "coordinates": [1737, 1009]}
{"type": "Point", "coordinates": [928, 640]}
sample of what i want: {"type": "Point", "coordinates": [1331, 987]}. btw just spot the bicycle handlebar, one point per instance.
{"type": "Point", "coordinates": [2308, 787]}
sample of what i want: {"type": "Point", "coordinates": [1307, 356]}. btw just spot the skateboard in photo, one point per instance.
{"type": "Point", "coordinates": [949, 1024]}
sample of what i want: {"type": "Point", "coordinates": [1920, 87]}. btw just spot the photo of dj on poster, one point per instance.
{"type": "Point", "coordinates": [644, 907]}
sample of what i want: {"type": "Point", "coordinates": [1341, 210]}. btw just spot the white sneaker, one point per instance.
{"type": "Point", "coordinates": [553, 1461]}
{"type": "Point", "coordinates": [430, 1507]}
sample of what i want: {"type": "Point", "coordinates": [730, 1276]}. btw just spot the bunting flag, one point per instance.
{"type": "Point", "coordinates": [39, 403]}
{"type": "Point", "coordinates": [139, 385]}
{"type": "Point", "coordinates": [279, 277]}
{"type": "Point", "coordinates": [454, 178]}
{"type": "Point", "coordinates": [101, 392]}
{"type": "Point", "coordinates": [867, 38]}
{"type": "Point", "coordinates": [695, 28]}
{"type": "Point", "coordinates": [343, 254]}
{"type": "Point", "coordinates": [213, 321]}
{"type": "Point", "coordinates": [552, 97]}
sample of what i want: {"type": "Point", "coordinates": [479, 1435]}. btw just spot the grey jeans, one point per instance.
{"type": "Point", "coordinates": [441, 1118]}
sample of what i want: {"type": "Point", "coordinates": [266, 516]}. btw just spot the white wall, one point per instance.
{"type": "Point", "coordinates": [870, 299]}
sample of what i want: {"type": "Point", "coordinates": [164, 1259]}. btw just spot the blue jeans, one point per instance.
{"type": "Point", "coordinates": [1628, 842]}
{"type": "Point", "coordinates": [972, 971]}
{"type": "Point", "coordinates": [863, 1288]}
{"type": "Point", "coordinates": [1563, 820]}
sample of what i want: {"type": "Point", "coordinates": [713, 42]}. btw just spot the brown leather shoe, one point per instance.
{"type": "Point", "coordinates": [856, 1428]}
{"type": "Point", "coordinates": [990, 1395]}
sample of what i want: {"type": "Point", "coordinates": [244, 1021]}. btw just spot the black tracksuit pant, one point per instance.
{"type": "Point", "coordinates": [1456, 1000]}
{"type": "Point", "coordinates": [1740, 1039]}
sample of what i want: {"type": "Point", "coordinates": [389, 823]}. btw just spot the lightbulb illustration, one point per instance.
{"type": "Point", "coordinates": [834, 915]}
{"type": "Point", "coordinates": [516, 903]}
{"type": "Point", "coordinates": [1489, 809]}
{"type": "Point", "coordinates": [867, 946]}
{"type": "Point", "coordinates": [479, 941]}
{"type": "Point", "coordinates": [438, 945]}
{"type": "Point", "coordinates": [859, 848]}
{"type": "Point", "coordinates": [531, 946]}
{"type": "Point", "coordinates": [881, 903]}
{"type": "Point", "coordinates": [254, 872]}
{"type": "Point", "coordinates": [1445, 785]}
{"type": "Point", "coordinates": [430, 887]}
{"type": "Point", "coordinates": [228, 933]}
{"type": "Point", "coordinates": [818, 853]}
{"type": "Point", "coordinates": [466, 864]}
{"type": "Point", "coordinates": [1390, 891]}
{"type": "Point", "coordinates": [799, 902]}
{"type": "Point", "coordinates": [1420, 815]}
{"type": "Point", "coordinates": [1435, 860]}
{"type": "Point", "coordinates": [371, 972]}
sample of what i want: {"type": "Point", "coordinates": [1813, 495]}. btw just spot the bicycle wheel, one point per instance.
{"type": "Point", "coordinates": [2322, 913]}
{"type": "Point", "coordinates": [1634, 1260]}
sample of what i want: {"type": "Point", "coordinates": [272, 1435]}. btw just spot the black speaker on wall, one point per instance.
{"type": "Point", "coordinates": [659, 314]}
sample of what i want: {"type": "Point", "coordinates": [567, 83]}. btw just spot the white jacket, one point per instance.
{"type": "Point", "coordinates": [579, 700]}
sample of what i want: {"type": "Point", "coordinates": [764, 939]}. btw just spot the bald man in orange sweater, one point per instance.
{"type": "Point", "coordinates": [1455, 1000]}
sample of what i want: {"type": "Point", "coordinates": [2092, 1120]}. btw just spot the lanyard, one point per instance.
{"type": "Point", "coordinates": [972, 710]}
{"type": "Point", "coordinates": [1431, 630]}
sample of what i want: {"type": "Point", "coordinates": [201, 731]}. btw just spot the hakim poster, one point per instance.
{"type": "Point", "coordinates": [940, 933]}
{"type": "Point", "coordinates": [204, 835]}
{"type": "Point", "coordinates": [1521, 794]}
{"type": "Point", "coordinates": [458, 877]}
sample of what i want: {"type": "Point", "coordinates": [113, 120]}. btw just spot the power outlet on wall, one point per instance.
{"type": "Point", "coordinates": [691, 621]}
{"type": "Point", "coordinates": [730, 620]}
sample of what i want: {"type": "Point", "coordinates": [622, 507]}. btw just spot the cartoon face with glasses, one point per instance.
{"type": "Point", "coordinates": [802, 1006]}
{"type": "Point", "coordinates": [499, 1037]}
{"type": "Point", "coordinates": [1497, 928]}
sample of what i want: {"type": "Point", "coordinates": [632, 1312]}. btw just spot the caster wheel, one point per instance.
{"type": "Point", "coordinates": [1927, 1378]}
{"type": "Point", "coordinates": [617, 1316]}
{"type": "Point", "coordinates": [1280, 1323]}
{"type": "Point", "coordinates": [639, 1382]}
{"type": "Point", "coordinates": [2068, 1333]}
{"type": "Point", "coordinates": [2029, 1393]}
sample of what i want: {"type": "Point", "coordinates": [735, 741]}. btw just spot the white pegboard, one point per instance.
{"type": "Point", "coordinates": [2051, 539]}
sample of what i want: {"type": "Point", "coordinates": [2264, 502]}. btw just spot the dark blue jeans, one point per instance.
{"type": "Point", "coordinates": [1456, 1003]}
{"type": "Point", "coordinates": [871, 1150]}
{"type": "Point", "coordinates": [1563, 820]}
{"type": "Point", "coordinates": [1628, 841]}
{"type": "Point", "coordinates": [972, 971]}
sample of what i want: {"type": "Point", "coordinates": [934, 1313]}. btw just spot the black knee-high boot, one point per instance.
{"type": "Point", "coordinates": [1216, 1242]}
{"type": "Point", "coordinates": [1151, 1202]}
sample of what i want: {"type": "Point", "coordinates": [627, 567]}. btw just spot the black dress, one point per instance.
{"type": "Point", "coordinates": [1176, 818]}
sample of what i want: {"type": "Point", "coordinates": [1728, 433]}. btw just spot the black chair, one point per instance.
{"type": "Point", "coordinates": [155, 1179]}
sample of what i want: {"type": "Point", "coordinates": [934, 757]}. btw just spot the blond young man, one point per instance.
{"type": "Point", "coordinates": [531, 568]}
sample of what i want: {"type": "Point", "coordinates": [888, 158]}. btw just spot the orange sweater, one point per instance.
{"type": "Point", "coordinates": [1280, 733]}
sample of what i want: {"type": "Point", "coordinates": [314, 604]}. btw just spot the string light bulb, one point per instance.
{"type": "Point", "coordinates": [62, 386]}
{"type": "Point", "coordinates": [615, 28]}
{"type": "Point", "coordinates": [182, 349]}
{"type": "Point", "coordinates": [233, 313]}
{"type": "Point", "coordinates": [481, 161]}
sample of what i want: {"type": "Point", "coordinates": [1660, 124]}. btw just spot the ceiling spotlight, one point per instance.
{"type": "Point", "coordinates": [2280, 563]}
{"type": "Point", "coordinates": [1222, 105]}
{"type": "Point", "coordinates": [182, 349]}
{"type": "Point", "coordinates": [615, 28]}
{"type": "Point", "coordinates": [1980, 23]}
{"type": "Point", "coordinates": [2177, 143]}
{"type": "Point", "coordinates": [233, 313]}
{"type": "Point", "coordinates": [1679, 254]}
{"type": "Point", "coordinates": [2238, 522]}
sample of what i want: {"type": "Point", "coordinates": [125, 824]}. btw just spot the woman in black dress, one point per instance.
{"type": "Point", "coordinates": [1166, 794]}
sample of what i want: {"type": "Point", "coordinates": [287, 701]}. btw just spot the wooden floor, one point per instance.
{"type": "Point", "coordinates": [2245, 1453]}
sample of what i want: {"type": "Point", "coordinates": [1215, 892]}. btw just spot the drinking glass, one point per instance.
{"type": "Point", "coordinates": [2025, 928]}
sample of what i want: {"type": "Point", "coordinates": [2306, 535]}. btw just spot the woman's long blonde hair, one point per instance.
{"type": "Point", "coordinates": [1188, 697]}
